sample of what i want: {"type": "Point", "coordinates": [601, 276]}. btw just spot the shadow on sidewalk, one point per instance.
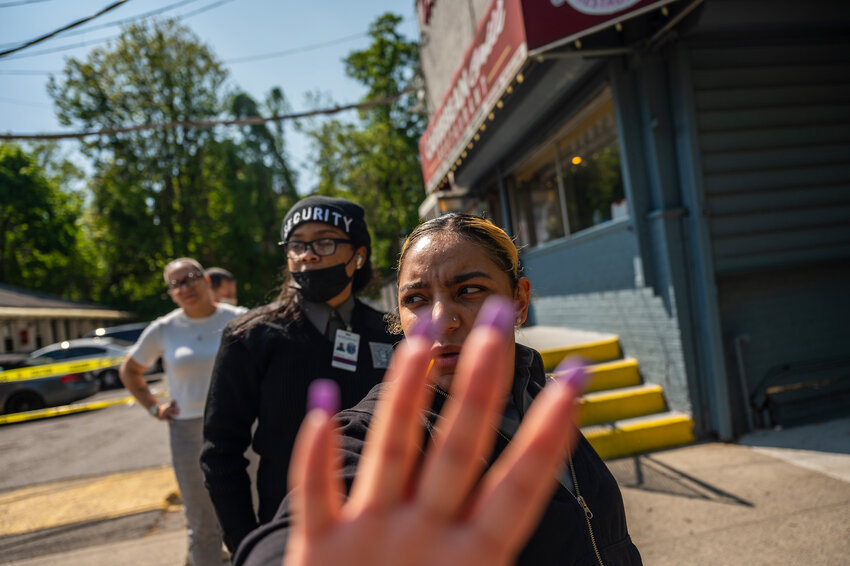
{"type": "Point", "coordinates": [647, 473]}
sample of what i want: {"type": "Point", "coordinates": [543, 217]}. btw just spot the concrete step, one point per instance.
{"type": "Point", "coordinates": [618, 413]}
{"type": "Point", "coordinates": [621, 403]}
{"type": "Point", "coordinates": [640, 434]}
{"type": "Point", "coordinates": [603, 350]}
{"type": "Point", "coordinates": [613, 375]}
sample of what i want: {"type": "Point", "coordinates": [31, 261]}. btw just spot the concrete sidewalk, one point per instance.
{"type": "Point", "coordinates": [767, 500]}
{"type": "Point", "coordinates": [764, 501]}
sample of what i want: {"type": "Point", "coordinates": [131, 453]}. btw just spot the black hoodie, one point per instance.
{"type": "Point", "coordinates": [563, 536]}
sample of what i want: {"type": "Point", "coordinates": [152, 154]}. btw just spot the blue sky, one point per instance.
{"type": "Point", "coordinates": [233, 30]}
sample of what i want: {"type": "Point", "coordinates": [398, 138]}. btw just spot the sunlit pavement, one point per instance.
{"type": "Point", "coordinates": [77, 501]}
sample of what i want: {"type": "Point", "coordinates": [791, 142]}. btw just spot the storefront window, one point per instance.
{"type": "Point", "coordinates": [539, 214]}
{"type": "Point", "coordinates": [590, 166]}
{"type": "Point", "coordinates": [572, 182]}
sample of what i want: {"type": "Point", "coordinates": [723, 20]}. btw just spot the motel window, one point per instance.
{"type": "Point", "coordinates": [573, 181]}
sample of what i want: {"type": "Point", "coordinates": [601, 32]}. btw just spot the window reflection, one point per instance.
{"type": "Point", "coordinates": [581, 166]}
{"type": "Point", "coordinates": [590, 165]}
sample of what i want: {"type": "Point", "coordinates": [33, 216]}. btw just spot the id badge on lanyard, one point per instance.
{"type": "Point", "coordinates": [346, 347]}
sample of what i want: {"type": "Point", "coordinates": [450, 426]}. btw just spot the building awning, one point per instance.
{"type": "Point", "coordinates": [31, 312]}
{"type": "Point", "coordinates": [510, 34]}
{"type": "Point", "coordinates": [17, 302]}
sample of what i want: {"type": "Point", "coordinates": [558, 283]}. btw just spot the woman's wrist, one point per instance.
{"type": "Point", "coordinates": [154, 410]}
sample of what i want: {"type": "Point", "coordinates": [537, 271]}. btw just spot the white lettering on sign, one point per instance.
{"type": "Point", "coordinates": [596, 7]}
{"type": "Point", "coordinates": [468, 77]}
{"type": "Point", "coordinates": [318, 214]}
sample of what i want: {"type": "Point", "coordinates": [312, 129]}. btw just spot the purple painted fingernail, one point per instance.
{"type": "Point", "coordinates": [424, 327]}
{"type": "Point", "coordinates": [572, 371]}
{"type": "Point", "coordinates": [323, 394]}
{"type": "Point", "coordinates": [497, 312]}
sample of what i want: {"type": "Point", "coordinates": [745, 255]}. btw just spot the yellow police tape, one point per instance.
{"type": "Point", "coordinates": [63, 410]}
{"type": "Point", "coordinates": [59, 368]}
{"type": "Point", "coordinates": [70, 409]}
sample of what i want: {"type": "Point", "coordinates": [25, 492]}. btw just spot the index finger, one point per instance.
{"type": "Point", "coordinates": [463, 443]}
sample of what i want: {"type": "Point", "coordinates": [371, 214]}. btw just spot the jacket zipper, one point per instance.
{"type": "Point", "coordinates": [588, 514]}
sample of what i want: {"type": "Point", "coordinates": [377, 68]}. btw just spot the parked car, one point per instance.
{"type": "Point", "coordinates": [32, 394]}
{"type": "Point", "coordinates": [82, 349]}
{"type": "Point", "coordinates": [128, 333]}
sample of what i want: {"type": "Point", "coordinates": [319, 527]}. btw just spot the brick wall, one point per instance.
{"type": "Point", "coordinates": [647, 332]}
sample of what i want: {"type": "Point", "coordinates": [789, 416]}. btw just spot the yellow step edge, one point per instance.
{"type": "Point", "coordinates": [613, 375]}
{"type": "Point", "coordinates": [633, 436]}
{"type": "Point", "coordinates": [599, 351]}
{"type": "Point", "coordinates": [623, 403]}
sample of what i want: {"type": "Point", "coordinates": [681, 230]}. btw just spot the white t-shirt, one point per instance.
{"type": "Point", "coordinates": [188, 347]}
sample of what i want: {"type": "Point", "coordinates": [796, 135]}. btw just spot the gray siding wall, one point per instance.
{"type": "Point", "coordinates": [603, 258]}
{"type": "Point", "coordinates": [774, 130]}
{"type": "Point", "coordinates": [771, 103]}
{"type": "Point", "coordinates": [787, 316]}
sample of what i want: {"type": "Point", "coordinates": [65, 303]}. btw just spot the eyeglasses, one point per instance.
{"type": "Point", "coordinates": [190, 280]}
{"type": "Point", "coordinates": [320, 247]}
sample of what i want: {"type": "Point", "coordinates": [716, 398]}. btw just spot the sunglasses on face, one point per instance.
{"type": "Point", "coordinates": [190, 280]}
{"type": "Point", "coordinates": [321, 247]}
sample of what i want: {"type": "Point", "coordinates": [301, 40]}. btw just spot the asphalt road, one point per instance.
{"type": "Point", "coordinates": [93, 443]}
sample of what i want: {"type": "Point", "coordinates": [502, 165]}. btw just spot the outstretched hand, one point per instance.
{"type": "Point", "coordinates": [444, 512]}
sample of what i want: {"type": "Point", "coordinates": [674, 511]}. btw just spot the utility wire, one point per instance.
{"type": "Point", "coordinates": [294, 50]}
{"type": "Point", "coordinates": [20, 3]}
{"type": "Point", "coordinates": [247, 58]}
{"type": "Point", "coordinates": [111, 37]}
{"type": "Point", "coordinates": [63, 48]}
{"type": "Point", "coordinates": [123, 21]}
{"type": "Point", "coordinates": [250, 121]}
{"type": "Point", "coordinates": [60, 30]}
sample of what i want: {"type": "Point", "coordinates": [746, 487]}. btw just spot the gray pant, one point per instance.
{"type": "Point", "coordinates": [204, 532]}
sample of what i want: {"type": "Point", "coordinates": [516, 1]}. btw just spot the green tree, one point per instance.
{"type": "Point", "coordinates": [375, 160]}
{"type": "Point", "coordinates": [210, 193]}
{"type": "Point", "coordinates": [41, 238]}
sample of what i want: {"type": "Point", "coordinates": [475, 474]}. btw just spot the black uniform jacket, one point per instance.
{"type": "Point", "coordinates": [563, 536]}
{"type": "Point", "coordinates": [262, 375]}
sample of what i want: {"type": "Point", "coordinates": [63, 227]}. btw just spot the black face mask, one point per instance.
{"type": "Point", "coordinates": [321, 285]}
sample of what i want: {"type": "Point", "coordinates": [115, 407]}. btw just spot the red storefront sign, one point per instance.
{"type": "Point", "coordinates": [495, 56]}
{"type": "Point", "coordinates": [503, 38]}
{"type": "Point", "coordinates": [562, 21]}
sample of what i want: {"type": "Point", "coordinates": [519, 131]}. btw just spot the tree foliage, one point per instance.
{"type": "Point", "coordinates": [211, 193]}
{"type": "Point", "coordinates": [41, 239]}
{"type": "Point", "coordinates": [375, 160]}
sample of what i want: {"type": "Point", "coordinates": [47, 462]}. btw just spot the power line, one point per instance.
{"type": "Point", "coordinates": [67, 27]}
{"type": "Point", "coordinates": [294, 50]}
{"type": "Point", "coordinates": [122, 21]}
{"type": "Point", "coordinates": [20, 3]}
{"type": "Point", "coordinates": [250, 121]}
{"type": "Point", "coordinates": [204, 9]}
{"type": "Point", "coordinates": [111, 37]}
{"type": "Point", "coordinates": [245, 59]}
{"type": "Point", "coordinates": [64, 48]}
